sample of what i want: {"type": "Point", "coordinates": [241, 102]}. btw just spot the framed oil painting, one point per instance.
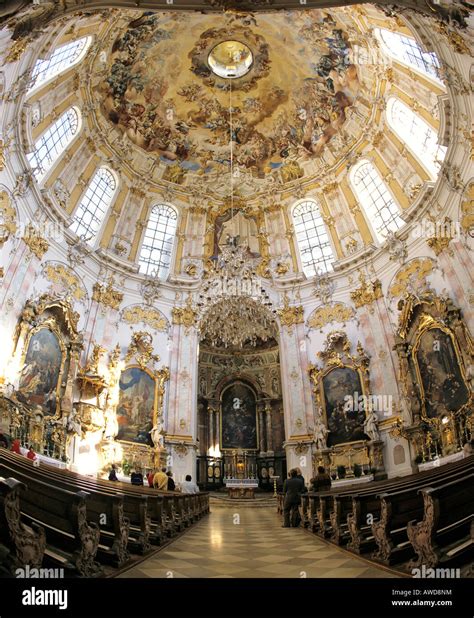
{"type": "Point", "coordinates": [41, 374]}
{"type": "Point", "coordinates": [345, 425]}
{"type": "Point", "coordinates": [137, 406]}
{"type": "Point", "coordinates": [438, 371]}
{"type": "Point", "coordinates": [238, 418]}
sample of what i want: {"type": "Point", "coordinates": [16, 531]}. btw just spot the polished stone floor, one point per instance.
{"type": "Point", "coordinates": [251, 543]}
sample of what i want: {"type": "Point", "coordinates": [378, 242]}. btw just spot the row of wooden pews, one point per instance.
{"type": "Point", "coordinates": [59, 519]}
{"type": "Point", "coordinates": [421, 519]}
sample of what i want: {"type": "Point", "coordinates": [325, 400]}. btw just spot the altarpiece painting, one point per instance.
{"type": "Point", "coordinates": [136, 406]}
{"type": "Point", "coordinates": [238, 418]}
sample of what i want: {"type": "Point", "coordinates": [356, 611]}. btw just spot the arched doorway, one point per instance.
{"type": "Point", "coordinates": [240, 409]}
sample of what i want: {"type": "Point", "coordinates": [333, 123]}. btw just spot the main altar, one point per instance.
{"type": "Point", "coordinates": [240, 474]}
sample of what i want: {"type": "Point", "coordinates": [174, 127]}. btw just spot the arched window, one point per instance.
{"type": "Point", "coordinates": [94, 204]}
{"type": "Point", "coordinates": [312, 237]}
{"type": "Point", "coordinates": [375, 198]}
{"type": "Point", "coordinates": [416, 133]}
{"type": "Point", "coordinates": [53, 142]}
{"type": "Point", "coordinates": [406, 50]}
{"type": "Point", "coordinates": [64, 57]}
{"type": "Point", "coordinates": [157, 247]}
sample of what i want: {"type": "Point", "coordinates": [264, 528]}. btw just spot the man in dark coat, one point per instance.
{"type": "Point", "coordinates": [322, 481]}
{"type": "Point", "coordinates": [292, 488]}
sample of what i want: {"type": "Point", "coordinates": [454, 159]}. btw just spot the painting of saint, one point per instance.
{"type": "Point", "coordinates": [345, 422]}
{"type": "Point", "coordinates": [239, 420]}
{"type": "Point", "coordinates": [443, 385]}
{"type": "Point", "coordinates": [40, 374]}
{"type": "Point", "coordinates": [136, 406]}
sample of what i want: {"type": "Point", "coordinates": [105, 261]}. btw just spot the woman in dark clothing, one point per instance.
{"type": "Point", "coordinates": [171, 483]}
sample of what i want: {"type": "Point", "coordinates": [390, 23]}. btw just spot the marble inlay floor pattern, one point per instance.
{"type": "Point", "coordinates": [251, 543]}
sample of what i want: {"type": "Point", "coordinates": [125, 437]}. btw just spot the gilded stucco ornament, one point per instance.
{"type": "Point", "coordinates": [8, 224]}
{"type": "Point", "coordinates": [106, 295]}
{"type": "Point", "coordinates": [65, 278]}
{"type": "Point", "coordinates": [146, 315]}
{"type": "Point", "coordinates": [36, 243]}
{"type": "Point", "coordinates": [367, 293]}
{"type": "Point", "coordinates": [443, 236]}
{"type": "Point", "coordinates": [328, 314]}
{"type": "Point", "coordinates": [290, 315]}
{"type": "Point", "coordinates": [185, 316]}
{"type": "Point", "coordinates": [141, 348]}
{"type": "Point", "coordinates": [411, 277]}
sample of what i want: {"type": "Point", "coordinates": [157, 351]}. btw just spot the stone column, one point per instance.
{"type": "Point", "coordinates": [211, 429]}
{"type": "Point", "coordinates": [261, 427]}
{"type": "Point", "coordinates": [268, 422]}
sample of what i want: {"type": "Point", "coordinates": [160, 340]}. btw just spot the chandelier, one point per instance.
{"type": "Point", "coordinates": [237, 322]}
{"type": "Point", "coordinates": [236, 309]}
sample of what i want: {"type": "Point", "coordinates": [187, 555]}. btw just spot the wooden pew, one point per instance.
{"type": "Point", "coordinates": [105, 510]}
{"type": "Point", "coordinates": [72, 541]}
{"type": "Point", "coordinates": [397, 508]}
{"type": "Point", "coordinates": [444, 533]}
{"type": "Point", "coordinates": [26, 544]}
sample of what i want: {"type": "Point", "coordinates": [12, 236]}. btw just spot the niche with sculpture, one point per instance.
{"type": "Point", "coordinates": [346, 431]}
{"type": "Point", "coordinates": [46, 349]}
{"type": "Point", "coordinates": [436, 353]}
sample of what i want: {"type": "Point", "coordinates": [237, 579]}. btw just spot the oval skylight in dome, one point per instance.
{"type": "Point", "coordinates": [230, 59]}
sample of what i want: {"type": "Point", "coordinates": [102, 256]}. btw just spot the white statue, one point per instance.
{"type": "Point", "coordinates": [72, 425]}
{"type": "Point", "coordinates": [320, 432]}
{"type": "Point", "coordinates": [156, 436]}
{"type": "Point", "coordinates": [370, 426]}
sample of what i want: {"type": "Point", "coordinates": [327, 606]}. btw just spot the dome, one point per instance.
{"type": "Point", "coordinates": [212, 197]}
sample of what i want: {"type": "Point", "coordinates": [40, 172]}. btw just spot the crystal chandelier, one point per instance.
{"type": "Point", "coordinates": [237, 322]}
{"type": "Point", "coordinates": [236, 309]}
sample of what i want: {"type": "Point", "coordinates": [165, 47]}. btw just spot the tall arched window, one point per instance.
{"type": "Point", "coordinates": [94, 204]}
{"type": "Point", "coordinates": [380, 208]}
{"type": "Point", "coordinates": [157, 246]}
{"type": "Point", "coordinates": [61, 59]}
{"type": "Point", "coordinates": [53, 142]}
{"type": "Point", "coordinates": [416, 133]}
{"type": "Point", "coordinates": [312, 237]}
{"type": "Point", "coordinates": [406, 50]}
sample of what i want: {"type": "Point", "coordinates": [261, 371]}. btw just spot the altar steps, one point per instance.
{"type": "Point", "coordinates": [266, 501]}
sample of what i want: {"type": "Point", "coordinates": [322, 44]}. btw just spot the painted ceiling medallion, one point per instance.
{"type": "Point", "coordinates": [230, 59]}
{"type": "Point", "coordinates": [167, 89]}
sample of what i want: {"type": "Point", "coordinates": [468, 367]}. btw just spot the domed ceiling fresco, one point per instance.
{"type": "Point", "coordinates": [161, 91]}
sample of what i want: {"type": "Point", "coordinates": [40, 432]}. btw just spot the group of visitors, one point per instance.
{"type": "Point", "coordinates": [293, 487]}
{"type": "Point", "coordinates": [162, 480]}
{"type": "Point", "coordinates": [16, 447]}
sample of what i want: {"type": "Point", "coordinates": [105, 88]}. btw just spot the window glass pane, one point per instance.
{"type": "Point", "coordinates": [94, 204]}
{"type": "Point", "coordinates": [53, 142]}
{"type": "Point", "coordinates": [407, 50]}
{"type": "Point", "coordinates": [61, 59]}
{"type": "Point", "coordinates": [157, 247]}
{"type": "Point", "coordinates": [374, 197]}
{"type": "Point", "coordinates": [417, 134]}
{"type": "Point", "coordinates": [313, 241]}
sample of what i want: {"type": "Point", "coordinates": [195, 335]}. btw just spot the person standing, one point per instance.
{"type": "Point", "coordinates": [292, 488]}
{"type": "Point", "coordinates": [113, 473]}
{"type": "Point", "coordinates": [160, 480]}
{"type": "Point", "coordinates": [149, 478]}
{"type": "Point", "coordinates": [171, 483]}
{"type": "Point", "coordinates": [322, 481]}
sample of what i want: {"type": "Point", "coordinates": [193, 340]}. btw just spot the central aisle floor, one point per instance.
{"type": "Point", "coordinates": [250, 542]}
